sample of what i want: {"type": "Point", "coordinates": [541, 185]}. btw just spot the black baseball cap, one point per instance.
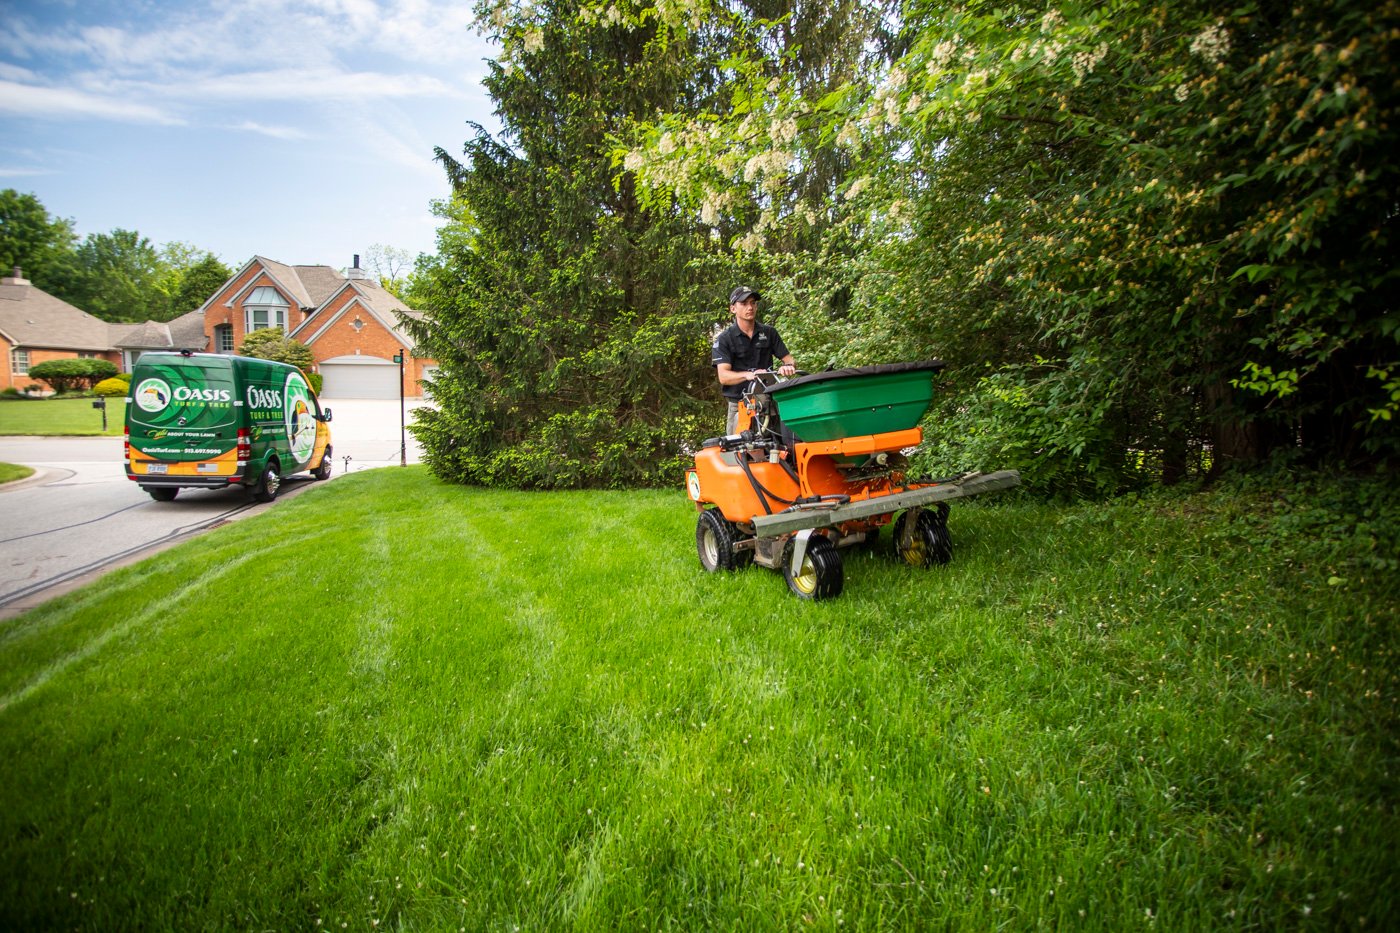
{"type": "Point", "coordinates": [743, 293]}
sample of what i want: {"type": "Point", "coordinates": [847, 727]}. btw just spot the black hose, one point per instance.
{"type": "Point", "coordinates": [763, 494]}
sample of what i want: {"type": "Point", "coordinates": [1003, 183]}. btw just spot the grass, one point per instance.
{"type": "Point", "coordinates": [9, 472]}
{"type": "Point", "coordinates": [60, 417]}
{"type": "Point", "coordinates": [389, 703]}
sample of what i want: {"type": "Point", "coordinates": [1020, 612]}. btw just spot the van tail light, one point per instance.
{"type": "Point", "coordinates": [126, 444]}
{"type": "Point", "coordinates": [245, 446]}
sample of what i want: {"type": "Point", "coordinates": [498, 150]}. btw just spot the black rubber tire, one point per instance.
{"type": "Point", "coordinates": [715, 537]}
{"type": "Point", "coordinates": [927, 544]}
{"type": "Point", "coordinates": [323, 470]}
{"type": "Point", "coordinates": [269, 483]}
{"type": "Point", "coordinates": [162, 493]}
{"type": "Point", "coordinates": [821, 575]}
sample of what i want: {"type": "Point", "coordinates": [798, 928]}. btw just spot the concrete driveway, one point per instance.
{"type": "Point", "coordinates": [79, 516]}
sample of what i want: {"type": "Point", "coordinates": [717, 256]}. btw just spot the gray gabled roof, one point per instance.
{"type": "Point", "coordinates": [31, 317]}
{"type": "Point", "coordinates": [186, 332]}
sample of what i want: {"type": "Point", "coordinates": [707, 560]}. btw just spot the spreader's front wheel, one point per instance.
{"type": "Point", "coordinates": [715, 537]}
{"type": "Point", "coordinates": [921, 538]}
{"type": "Point", "coordinates": [820, 576]}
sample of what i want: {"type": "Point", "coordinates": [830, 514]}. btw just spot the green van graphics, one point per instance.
{"type": "Point", "coordinates": [208, 420]}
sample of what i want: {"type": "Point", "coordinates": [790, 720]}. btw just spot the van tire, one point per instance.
{"type": "Point", "coordinates": [268, 483]}
{"type": "Point", "coordinates": [323, 469]}
{"type": "Point", "coordinates": [162, 493]}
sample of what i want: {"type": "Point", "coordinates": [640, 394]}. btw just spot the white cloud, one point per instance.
{"type": "Point", "coordinates": [276, 132]}
{"type": "Point", "coordinates": [23, 172]}
{"type": "Point", "coordinates": [307, 84]}
{"type": "Point", "coordinates": [58, 103]}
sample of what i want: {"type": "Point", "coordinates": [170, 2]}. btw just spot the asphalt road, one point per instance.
{"type": "Point", "coordinates": [79, 516]}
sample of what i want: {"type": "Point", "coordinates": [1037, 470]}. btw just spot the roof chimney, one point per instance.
{"type": "Point", "coordinates": [17, 278]}
{"type": "Point", "coordinates": [355, 272]}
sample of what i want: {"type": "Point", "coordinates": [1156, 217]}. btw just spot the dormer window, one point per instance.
{"type": "Point", "coordinates": [265, 307]}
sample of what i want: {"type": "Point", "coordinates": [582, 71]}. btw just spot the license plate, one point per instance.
{"type": "Point", "coordinates": [157, 468]}
{"type": "Point", "coordinates": [207, 468]}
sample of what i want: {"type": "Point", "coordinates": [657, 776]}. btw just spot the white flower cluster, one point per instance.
{"type": "Point", "coordinates": [1213, 44]}
{"type": "Point", "coordinates": [534, 40]}
{"type": "Point", "coordinates": [857, 186]}
{"type": "Point", "coordinates": [773, 163]}
{"type": "Point", "coordinates": [711, 206]}
{"type": "Point", "coordinates": [608, 15]}
{"type": "Point", "coordinates": [1052, 21]}
{"type": "Point", "coordinates": [941, 54]}
{"type": "Point", "coordinates": [1183, 91]}
{"type": "Point", "coordinates": [1086, 61]}
{"type": "Point", "coordinates": [783, 131]}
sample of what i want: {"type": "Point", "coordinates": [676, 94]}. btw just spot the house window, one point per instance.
{"type": "Point", "coordinates": [223, 338]}
{"type": "Point", "coordinates": [87, 356]}
{"type": "Point", "coordinates": [265, 307]}
{"type": "Point", "coordinates": [19, 362]}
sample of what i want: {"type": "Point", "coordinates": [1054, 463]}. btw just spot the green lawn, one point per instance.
{"type": "Point", "coordinates": [60, 417]}
{"type": "Point", "coordinates": [388, 703]}
{"type": "Point", "coordinates": [9, 472]}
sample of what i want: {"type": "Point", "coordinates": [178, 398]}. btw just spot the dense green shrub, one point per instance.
{"type": "Point", "coordinates": [73, 374]}
{"type": "Point", "coordinates": [109, 388]}
{"type": "Point", "coordinates": [316, 380]}
{"type": "Point", "coordinates": [271, 343]}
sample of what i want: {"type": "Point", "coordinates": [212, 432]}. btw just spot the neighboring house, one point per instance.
{"type": "Point", "coordinates": [36, 327]}
{"type": "Point", "coordinates": [352, 325]}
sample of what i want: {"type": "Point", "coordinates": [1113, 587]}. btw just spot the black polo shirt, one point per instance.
{"type": "Point", "coordinates": [743, 354]}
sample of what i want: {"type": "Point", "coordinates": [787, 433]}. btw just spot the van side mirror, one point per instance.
{"type": "Point", "coordinates": [326, 415]}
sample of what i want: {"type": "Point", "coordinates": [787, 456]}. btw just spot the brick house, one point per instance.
{"type": "Point", "coordinates": [351, 324]}
{"type": "Point", "coordinates": [36, 327]}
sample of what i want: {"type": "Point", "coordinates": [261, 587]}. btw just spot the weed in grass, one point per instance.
{"type": "Point", "coordinates": [394, 702]}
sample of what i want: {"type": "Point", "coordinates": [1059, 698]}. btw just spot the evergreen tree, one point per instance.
{"type": "Point", "coordinates": [570, 322]}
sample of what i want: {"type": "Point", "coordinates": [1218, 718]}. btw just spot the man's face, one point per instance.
{"type": "Point", "coordinates": [745, 310]}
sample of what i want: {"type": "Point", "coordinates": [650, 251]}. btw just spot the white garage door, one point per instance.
{"type": "Point", "coordinates": [428, 373]}
{"type": "Point", "coordinates": [359, 377]}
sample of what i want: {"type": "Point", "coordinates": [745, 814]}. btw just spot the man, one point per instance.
{"type": "Point", "coordinates": [744, 348]}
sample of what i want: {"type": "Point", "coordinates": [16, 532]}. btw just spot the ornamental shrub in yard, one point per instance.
{"type": "Point", "coordinates": [112, 387]}
{"type": "Point", "coordinates": [73, 374]}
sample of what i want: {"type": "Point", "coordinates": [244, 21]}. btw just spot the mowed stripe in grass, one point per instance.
{"type": "Point", "coordinates": [394, 702]}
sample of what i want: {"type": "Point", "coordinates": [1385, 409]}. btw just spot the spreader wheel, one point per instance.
{"type": "Point", "coordinates": [921, 538]}
{"type": "Point", "coordinates": [820, 576]}
{"type": "Point", "coordinates": [715, 537]}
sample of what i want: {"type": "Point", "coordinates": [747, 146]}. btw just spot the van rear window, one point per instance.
{"type": "Point", "coordinates": [183, 394]}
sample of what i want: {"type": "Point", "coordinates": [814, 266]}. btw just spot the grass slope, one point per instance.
{"type": "Point", "coordinates": [59, 417]}
{"type": "Point", "coordinates": [392, 703]}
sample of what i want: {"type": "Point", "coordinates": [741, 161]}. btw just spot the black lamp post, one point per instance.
{"type": "Point", "coordinates": [403, 437]}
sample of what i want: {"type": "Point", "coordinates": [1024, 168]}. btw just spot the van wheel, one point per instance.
{"type": "Point", "coordinates": [268, 483]}
{"type": "Point", "coordinates": [162, 493]}
{"type": "Point", "coordinates": [323, 471]}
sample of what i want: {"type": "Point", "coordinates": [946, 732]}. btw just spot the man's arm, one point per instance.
{"type": "Point", "coordinates": [729, 376]}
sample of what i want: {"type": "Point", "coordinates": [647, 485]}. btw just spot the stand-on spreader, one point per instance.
{"type": "Point", "coordinates": [817, 464]}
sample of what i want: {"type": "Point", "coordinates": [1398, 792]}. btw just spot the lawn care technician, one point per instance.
{"type": "Point", "coordinates": [744, 348]}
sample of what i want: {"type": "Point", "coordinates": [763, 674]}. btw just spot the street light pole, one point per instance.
{"type": "Point", "coordinates": [403, 437]}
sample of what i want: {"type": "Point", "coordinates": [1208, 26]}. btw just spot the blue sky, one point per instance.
{"type": "Point", "coordinates": [300, 130]}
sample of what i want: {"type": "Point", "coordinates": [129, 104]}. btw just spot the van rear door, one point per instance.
{"type": "Point", "coordinates": [182, 407]}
